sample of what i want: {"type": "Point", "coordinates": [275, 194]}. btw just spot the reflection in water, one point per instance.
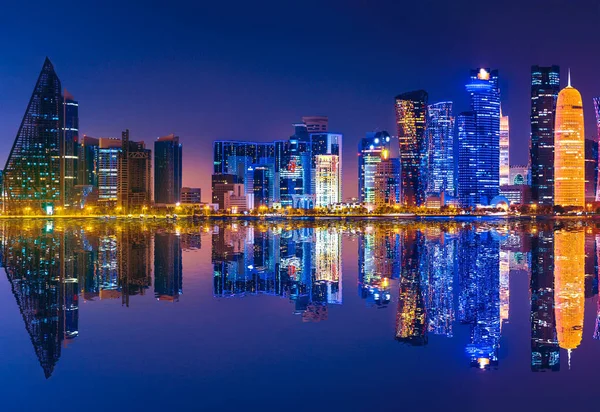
{"type": "Point", "coordinates": [431, 278]}
{"type": "Point", "coordinates": [569, 280]}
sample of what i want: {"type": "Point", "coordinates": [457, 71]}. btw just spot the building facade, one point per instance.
{"type": "Point", "coordinates": [370, 151]}
{"type": "Point", "coordinates": [107, 170]}
{"type": "Point", "coordinates": [545, 85]}
{"type": "Point", "coordinates": [190, 195]}
{"type": "Point", "coordinates": [440, 136]}
{"type": "Point", "coordinates": [479, 141]}
{"type": "Point", "coordinates": [134, 189]}
{"type": "Point", "coordinates": [167, 170]}
{"type": "Point", "coordinates": [411, 117]}
{"type": "Point", "coordinates": [504, 151]}
{"type": "Point", "coordinates": [569, 149]}
{"type": "Point", "coordinates": [388, 182]}
{"type": "Point", "coordinates": [328, 179]}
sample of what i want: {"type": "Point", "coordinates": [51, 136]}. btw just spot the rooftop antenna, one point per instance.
{"type": "Point", "coordinates": [569, 78]}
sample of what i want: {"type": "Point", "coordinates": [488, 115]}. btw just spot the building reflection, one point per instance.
{"type": "Point", "coordinates": [569, 281]}
{"type": "Point", "coordinates": [51, 267]}
{"type": "Point", "coordinates": [545, 354]}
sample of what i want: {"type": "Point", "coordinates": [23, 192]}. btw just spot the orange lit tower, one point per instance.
{"type": "Point", "coordinates": [569, 149]}
{"type": "Point", "coordinates": [569, 292]}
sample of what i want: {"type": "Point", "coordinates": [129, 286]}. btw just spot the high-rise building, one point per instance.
{"type": "Point", "coordinates": [388, 181]}
{"type": "Point", "coordinates": [326, 144]}
{"type": "Point", "coordinates": [370, 150]}
{"type": "Point", "coordinates": [265, 183]}
{"type": "Point", "coordinates": [327, 179]}
{"type": "Point", "coordinates": [591, 169]}
{"type": "Point", "coordinates": [569, 149]}
{"type": "Point", "coordinates": [107, 170]}
{"type": "Point", "coordinates": [218, 191]}
{"type": "Point", "coordinates": [69, 150]}
{"type": "Point", "coordinates": [504, 151]}
{"type": "Point", "coordinates": [167, 170]}
{"type": "Point", "coordinates": [545, 85]}
{"type": "Point", "coordinates": [316, 124]}
{"type": "Point", "coordinates": [41, 164]}
{"type": "Point", "coordinates": [411, 118]}
{"type": "Point", "coordinates": [597, 113]}
{"type": "Point", "coordinates": [235, 157]}
{"type": "Point", "coordinates": [88, 156]}
{"type": "Point", "coordinates": [467, 189]}
{"type": "Point", "coordinates": [479, 141]}
{"type": "Point", "coordinates": [134, 189]}
{"type": "Point", "coordinates": [441, 156]}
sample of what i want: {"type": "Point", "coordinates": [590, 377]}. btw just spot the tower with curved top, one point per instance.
{"type": "Point", "coordinates": [569, 149]}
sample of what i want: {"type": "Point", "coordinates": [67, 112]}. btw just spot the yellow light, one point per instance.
{"type": "Point", "coordinates": [483, 74]}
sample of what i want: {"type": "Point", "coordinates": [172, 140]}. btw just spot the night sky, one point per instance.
{"type": "Point", "coordinates": [248, 70]}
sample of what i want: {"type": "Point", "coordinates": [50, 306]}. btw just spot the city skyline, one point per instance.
{"type": "Point", "coordinates": [104, 110]}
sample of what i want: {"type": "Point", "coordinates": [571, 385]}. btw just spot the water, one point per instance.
{"type": "Point", "coordinates": [298, 316]}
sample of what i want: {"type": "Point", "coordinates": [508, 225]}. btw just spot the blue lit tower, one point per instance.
{"type": "Point", "coordinates": [370, 149]}
{"type": "Point", "coordinates": [69, 150]}
{"type": "Point", "coordinates": [440, 138]}
{"type": "Point", "coordinates": [545, 85]}
{"type": "Point", "coordinates": [483, 164]}
{"type": "Point", "coordinates": [467, 158]}
{"type": "Point", "coordinates": [411, 119]}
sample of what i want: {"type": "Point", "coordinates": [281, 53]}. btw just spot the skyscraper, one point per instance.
{"type": "Point", "coordinates": [370, 149]}
{"type": "Point", "coordinates": [597, 112]}
{"type": "Point", "coordinates": [545, 85]}
{"type": "Point", "coordinates": [569, 149]}
{"type": "Point", "coordinates": [134, 189]}
{"type": "Point", "coordinates": [167, 170]}
{"type": "Point", "coordinates": [107, 170]}
{"type": "Point", "coordinates": [327, 179]}
{"type": "Point", "coordinates": [34, 174]}
{"type": "Point", "coordinates": [480, 140]}
{"type": "Point", "coordinates": [69, 150]}
{"type": "Point", "coordinates": [591, 169]}
{"type": "Point", "coordinates": [411, 117]}
{"type": "Point", "coordinates": [504, 151]}
{"type": "Point", "coordinates": [441, 157]}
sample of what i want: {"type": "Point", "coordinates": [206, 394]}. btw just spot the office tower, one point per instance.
{"type": "Point", "coordinates": [218, 190]}
{"type": "Point", "coordinates": [597, 113]}
{"type": "Point", "coordinates": [467, 188]}
{"type": "Point", "coordinates": [316, 124]}
{"type": "Point", "coordinates": [569, 281]}
{"type": "Point", "coordinates": [504, 150]}
{"type": "Point", "coordinates": [168, 270]}
{"type": "Point", "coordinates": [327, 179]}
{"type": "Point", "coordinates": [134, 191]}
{"type": "Point", "coordinates": [167, 170]}
{"type": "Point", "coordinates": [545, 354]}
{"type": "Point", "coordinates": [545, 85]}
{"type": "Point", "coordinates": [388, 181]}
{"type": "Point", "coordinates": [441, 157]}
{"type": "Point", "coordinates": [35, 170]}
{"type": "Point", "coordinates": [88, 156]}
{"type": "Point", "coordinates": [326, 144]}
{"type": "Point", "coordinates": [107, 170]}
{"type": "Point", "coordinates": [295, 168]}
{"type": "Point", "coordinates": [190, 195]}
{"type": "Point", "coordinates": [591, 169]}
{"type": "Point", "coordinates": [235, 157]}
{"type": "Point", "coordinates": [69, 150]}
{"type": "Point", "coordinates": [480, 145]}
{"type": "Point", "coordinates": [569, 150]}
{"type": "Point", "coordinates": [370, 150]}
{"type": "Point", "coordinates": [411, 118]}
{"type": "Point", "coordinates": [265, 183]}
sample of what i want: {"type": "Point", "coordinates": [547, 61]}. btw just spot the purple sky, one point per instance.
{"type": "Point", "coordinates": [248, 70]}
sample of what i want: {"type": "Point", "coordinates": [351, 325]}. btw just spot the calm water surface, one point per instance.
{"type": "Point", "coordinates": [298, 316]}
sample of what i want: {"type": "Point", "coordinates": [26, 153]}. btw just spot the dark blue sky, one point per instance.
{"type": "Point", "coordinates": [247, 70]}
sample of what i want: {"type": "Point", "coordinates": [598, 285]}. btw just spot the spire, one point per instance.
{"type": "Point", "coordinates": [569, 78]}
{"type": "Point", "coordinates": [569, 354]}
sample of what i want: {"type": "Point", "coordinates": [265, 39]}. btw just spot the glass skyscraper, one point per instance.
{"type": "Point", "coordinates": [440, 140]}
{"type": "Point", "coordinates": [167, 170]}
{"type": "Point", "coordinates": [479, 141]}
{"type": "Point", "coordinates": [37, 171]}
{"type": "Point", "coordinates": [411, 117]}
{"type": "Point", "coordinates": [545, 85]}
